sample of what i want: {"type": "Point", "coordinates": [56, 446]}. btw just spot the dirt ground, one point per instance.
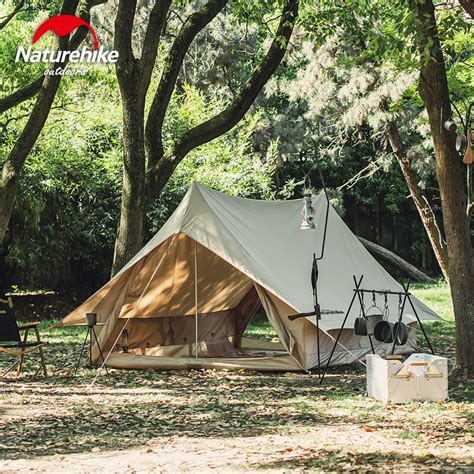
{"type": "Point", "coordinates": [214, 421]}
{"type": "Point", "coordinates": [222, 421]}
{"type": "Point", "coordinates": [305, 449]}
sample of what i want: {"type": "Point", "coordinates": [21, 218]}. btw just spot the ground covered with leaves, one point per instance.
{"type": "Point", "coordinates": [224, 421]}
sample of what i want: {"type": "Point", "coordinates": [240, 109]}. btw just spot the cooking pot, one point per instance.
{"type": "Point", "coordinates": [383, 331]}
{"type": "Point", "coordinates": [372, 320]}
{"type": "Point", "coordinates": [360, 327]}
{"type": "Point", "coordinates": [400, 334]}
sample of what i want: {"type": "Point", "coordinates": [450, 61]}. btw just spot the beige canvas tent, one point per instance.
{"type": "Point", "coordinates": [187, 297]}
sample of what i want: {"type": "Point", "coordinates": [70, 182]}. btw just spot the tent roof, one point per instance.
{"type": "Point", "coordinates": [264, 241]}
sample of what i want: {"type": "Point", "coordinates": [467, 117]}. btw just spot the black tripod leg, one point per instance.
{"type": "Point", "coordinates": [100, 351]}
{"type": "Point", "coordinates": [371, 344]}
{"type": "Point", "coordinates": [342, 327]}
{"type": "Point", "coordinates": [421, 325]}
{"type": "Point", "coordinates": [17, 361]}
{"type": "Point", "coordinates": [82, 351]}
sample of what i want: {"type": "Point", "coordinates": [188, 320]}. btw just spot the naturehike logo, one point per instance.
{"type": "Point", "coordinates": [62, 25]}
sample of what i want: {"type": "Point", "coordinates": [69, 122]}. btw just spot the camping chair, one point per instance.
{"type": "Point", "coordinates": [12, 343]}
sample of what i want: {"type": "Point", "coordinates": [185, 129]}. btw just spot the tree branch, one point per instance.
{"type": "Point", "coordinates": [398, 262]}
{"type": "Point", "coordinates": [19, 96]}
{"type": "Point", "coordinates": [84, 12]}
{"type": "Point", "coordinates": [191, 27]}
{"type": "Point", "coordinates": [12, 14]}
{"type": "Point", "coordinates": [424, 209]}
{"type": "Point", "coordinates": [154, 29]}
{"type": "Point", "coordinates": [228, 118]}
{"type": "Point", "coordinates": [14, 163]}
{"type": "Point", "coordinates": [123, 33]}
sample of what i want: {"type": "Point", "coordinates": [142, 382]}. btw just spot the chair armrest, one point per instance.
{"type": "Point", "coordinates": [28, 325]}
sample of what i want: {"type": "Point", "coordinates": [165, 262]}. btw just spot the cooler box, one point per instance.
{"type": "Point", "coordinates": [422, 377]}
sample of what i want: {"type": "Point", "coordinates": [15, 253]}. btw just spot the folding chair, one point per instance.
{"type": "Point", "coordinates": [11, 341]}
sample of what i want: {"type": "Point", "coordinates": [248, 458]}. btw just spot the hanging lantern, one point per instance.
{"type": "Point", "coordinates": [307, 214]}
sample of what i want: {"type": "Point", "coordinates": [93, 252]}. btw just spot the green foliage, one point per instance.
{"type": "Point", "coordinates": [66, 212]}
{"type": "Point", "coordinates": [437, 297]}
{"type": "Point", "coordinates": [319, 105]}
{"type": "Point", "coordinates": [227, 164]}
{"type": "Point", "coordinates": [63, 228]}
{"type": "Point", "coordinates": [17, 33]}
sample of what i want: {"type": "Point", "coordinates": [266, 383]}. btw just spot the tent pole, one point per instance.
{"type": "Point", "coordinates": [196, 298]}
{"type": "Point", "coordinates": [363, 314]}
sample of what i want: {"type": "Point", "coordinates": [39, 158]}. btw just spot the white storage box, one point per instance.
{"type": "Point", "coordinates": [422, 377]}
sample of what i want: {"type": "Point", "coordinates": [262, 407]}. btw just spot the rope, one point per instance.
{"type": "Point", "coordinates": [346, 349]}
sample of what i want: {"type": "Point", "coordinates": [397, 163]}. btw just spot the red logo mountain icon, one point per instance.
{"type": "Point", "coordinates": [62, 25]}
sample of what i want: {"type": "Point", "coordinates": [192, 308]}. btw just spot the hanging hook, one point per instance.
{"type": "Point", "coordinates": [386, 310]}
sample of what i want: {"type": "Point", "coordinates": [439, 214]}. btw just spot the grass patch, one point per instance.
{"type": "Point", "coordinates": [260, 328]}
{"type": "Point", "coordinates": [437, 297]}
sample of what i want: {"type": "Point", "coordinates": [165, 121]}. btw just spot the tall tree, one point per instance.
{"type": "Point", "coordinates": [46, 93]}
{"type": "Point", "coordinates": [134, 77]}
{"type": "Point", "coordinates": [162, 160]}
{"type": "Point", "coordinates": [421, 202]}
{"type": "Point", "coordinates": [433, 88]}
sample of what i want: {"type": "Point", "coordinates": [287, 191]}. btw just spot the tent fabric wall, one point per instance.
{"type": "Point", "coordinates": [246, 251]}
{"type": "Point", "coordinates": [171, 292]}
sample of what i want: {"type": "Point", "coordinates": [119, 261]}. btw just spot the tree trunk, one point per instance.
{"type": "Point", "coordinates": [134, 76]}
{"type": "Point", "coordinates": [433, 87]}
{"type": "Point", "coordinates": [468, 6]}
{"type": "Point", "coordinates": [425, 211]}
{"type": "Point", "coordinates": [14, 163]}
{"type": "Point", "coordinates": [396, 261]}
{"type": "Point", "coordinates": [130, 231]}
